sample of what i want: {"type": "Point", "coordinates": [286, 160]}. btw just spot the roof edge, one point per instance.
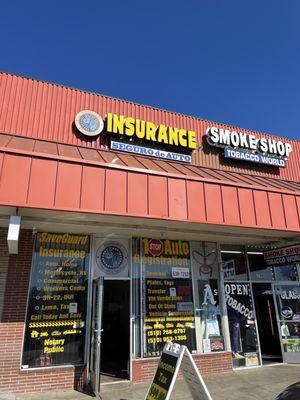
{"type": "Point", "coordinates": [145, 105]}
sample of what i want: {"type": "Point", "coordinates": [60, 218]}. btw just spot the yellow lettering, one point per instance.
{"type": "Point", "coordinates": [109, 119]}
{"type": "Point", "coordinates": [167, 249]}
{"type": "Point", "coordinates": [118, 124]}
{"type": "Point", "coordinates": [162, 134]}
{"type": "Point", "coordinates": [43, 237]}
{"type": "Point", "coordinates": [182, 138]}
{"type": "Point", "coordinates": [140, 128]}
{"type": "Point", "coordinates": [173, 136]}
{"type": "Point", "coordinates": [145, 245]}
{"type": "Point", "coordinates": [150, 131]}
{"type": "Point", "coordinates": [129, 126]}
{"type": "Point", "coordinates": [192, 140]}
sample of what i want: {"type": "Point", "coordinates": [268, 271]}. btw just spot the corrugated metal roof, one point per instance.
{"type": "Point", "coordinates": [12, 143]}
{"type": "Point", "coordinates": [45, 111]}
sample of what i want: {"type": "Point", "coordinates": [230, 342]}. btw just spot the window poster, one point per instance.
{"type": "Point", "coordinates": [243, 335]}
{"type": "Point", "coordinates": [288, 303]}
{"type": "Point", "coordinates": [205, 266]}
{"type": "Point", "coordinates": [210, 329]}
{"type": "Point", "coordinates": [228, 270]}
{"type": "Point", "coordinates": [167, 295]}
{"type": "Point", "coordinates": [56, 308]}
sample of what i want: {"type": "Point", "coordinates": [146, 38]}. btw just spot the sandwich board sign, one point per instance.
{"type": "Point", "coordinates": [173, 358]}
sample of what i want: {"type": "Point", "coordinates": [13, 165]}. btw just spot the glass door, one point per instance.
{"type": "Point", "coordinates": [96, 331]}
{"type": "Point", "coordinates": [267, 322]}
{"type": "Point", "coordinates": [288, 318]}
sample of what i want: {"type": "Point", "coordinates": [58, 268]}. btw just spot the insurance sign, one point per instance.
{"type": "Point", "coordinates": [137, 136]}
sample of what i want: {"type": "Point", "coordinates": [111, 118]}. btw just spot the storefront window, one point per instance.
{"type": "Point", "coordinates": [56, 311]}
{"type": "Point", "coordinates": [243, 335]}
{"type": "Point", "coordinates": [234, 263]}
{"type": "Point", "coordinates": [288, 303]}
{"type": "Point", "coordinates": [259, 271]}
{"type": "Point", "coordinates": [206, 287]}
{"type": "Point", "coordinates": [167, 295]}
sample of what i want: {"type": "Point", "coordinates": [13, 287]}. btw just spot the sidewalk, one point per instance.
{"type": "Point", "coordinates": [259, 383]}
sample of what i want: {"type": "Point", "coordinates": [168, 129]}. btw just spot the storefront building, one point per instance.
{"type": "Point", "coordinates": [123, 227]}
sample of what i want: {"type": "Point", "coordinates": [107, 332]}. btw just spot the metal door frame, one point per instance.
{"type": "Point", "coordinates": [99, 306]}
{"type": "Point", "coordinates": [276, 312]}
{"type": "Point", "coordinates": [130, 320]}
{"type": "Point", "coordinates": [129, 277]}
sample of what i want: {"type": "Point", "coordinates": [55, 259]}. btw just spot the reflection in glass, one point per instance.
{"type": "Point", "coordinates": [234, 263]}
{"type": "Point", "coordinates": [286, 273]}
{"type": "Point", "coordinates": [259, 271]}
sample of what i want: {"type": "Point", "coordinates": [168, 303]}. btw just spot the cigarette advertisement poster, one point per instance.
{"type": "Point", "coordinates": [56, 308]}
{"type": "Point", "coordinates": [167, 296]}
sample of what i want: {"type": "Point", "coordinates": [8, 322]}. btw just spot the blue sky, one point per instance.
{"type": "Point", "coordinates": [231, 61]}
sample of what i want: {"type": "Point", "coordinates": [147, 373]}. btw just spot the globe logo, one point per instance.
{"type": "Point", "coordinates": [111, 257]}
{"type": "Point", "coordinates": [89, 123]}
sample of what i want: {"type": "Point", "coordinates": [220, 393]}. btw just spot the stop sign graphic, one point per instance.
{"type": "Point", "coordinates": [155, 247]}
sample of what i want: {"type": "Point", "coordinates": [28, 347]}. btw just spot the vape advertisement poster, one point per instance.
{"type": "Point", "coordinates": [167, 295]}
{"type": "Point", "coordinates": [56, 309]}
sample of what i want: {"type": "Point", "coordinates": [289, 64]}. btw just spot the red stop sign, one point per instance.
{"type": "Point", "coordinates": [155, 247]}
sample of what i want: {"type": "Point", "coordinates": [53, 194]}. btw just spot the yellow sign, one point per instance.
{"type": "Point", "coordinates": [149, 131]}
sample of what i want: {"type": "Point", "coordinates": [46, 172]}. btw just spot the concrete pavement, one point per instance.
{"type": "Point", "coordinates": [260, 383]}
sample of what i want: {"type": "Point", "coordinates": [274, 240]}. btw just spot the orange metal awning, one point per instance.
{"type": "Point", "coordinates": [47, 175]}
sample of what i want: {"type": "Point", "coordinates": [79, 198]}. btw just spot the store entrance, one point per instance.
{"type": "Point", "coordinates": [115, 338]}
{"type": "Point", "coordinates": [267, 323]}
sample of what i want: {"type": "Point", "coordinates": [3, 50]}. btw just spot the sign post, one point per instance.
{"type": "Point", "coordinates": [173, 357]}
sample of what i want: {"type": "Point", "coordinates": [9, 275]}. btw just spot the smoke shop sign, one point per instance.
{"type": "Point", "coordinates": [283, 255]}
{"type": "Point", "coordinates": [240, 146]}
{"type": "Point", "coordinates": [133, 135]}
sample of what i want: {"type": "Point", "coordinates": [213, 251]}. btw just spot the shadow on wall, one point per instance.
{"type": "Point", "coordinates": [292, 392]}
